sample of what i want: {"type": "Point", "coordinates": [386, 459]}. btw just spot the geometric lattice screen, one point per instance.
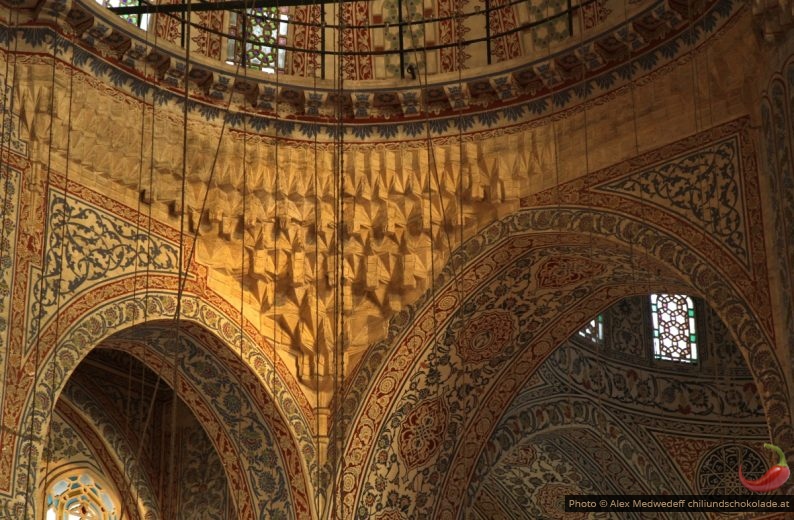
{"type": "Point", "coordinates": [674, 334]}
{"type": "Point", "coordinates": [263, 28]}
{"type": "Point", "coordinates": [79, 497]}
{"type": "Point", "coordinates": [594, 330]}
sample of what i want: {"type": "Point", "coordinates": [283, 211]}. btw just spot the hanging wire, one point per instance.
{"type": "Point", "coordinates": [127, 470]}
{"type": "Point", "coordinates": [61, 256]}
{"type": "Point", "coordinates": [183, 260]}
{"type": "Point", "coordinates": [151, 201]}
{"type": "Point", "coordinates": [173, 481]}
{"type": "Point", "coordinates": [339, 293]}
{"type": "Point", "coordinates": [433, 175]}
{"type": "Point", "coordinates": [276, 237]}
{"type": "Point", "coordinates": [317, 295]}
{"type": "Point", "coordinates": [242, 272]}
{"type": "Point", "coordinates": [698, 120]}
{"type": "Point", "coordinates": [29, 470]}
{"type": "Point", "coordinates": [5, 169]}
{"type": "Point", "coordinates": [602, 395]}
{"type": "Point", "coordinates": [238, 492]}
{"type": "Point", "coordinates": [424, 87]}
{"type": "Point", "coordinates": [7, 123]}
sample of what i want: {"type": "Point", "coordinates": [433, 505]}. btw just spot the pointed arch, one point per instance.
{"type": "Point", "coordinates": [119, 316]}
{"type": "Point", "coordinates": [573, 252]}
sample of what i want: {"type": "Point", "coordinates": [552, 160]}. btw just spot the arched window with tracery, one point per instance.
{"type": "Point", "coordinates": [262, 29]}
{"type": "Point", "coordinates": [674, 331]}
{"type": "Point", "coordinates": [594, 330]}
{"type": "Point", "coordinates": [79, 496]}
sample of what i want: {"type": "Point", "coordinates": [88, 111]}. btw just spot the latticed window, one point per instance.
{"type": "Point", "coordinates": [674, 334]}
{"type": "Point", "coordinates": [140, 20]}
{"type": "Point", "coordinates": [79, 497]}
{"type": "Point", "coordinates": [262, 28]}
{"type": "Point", "coordinates": [594, 330]}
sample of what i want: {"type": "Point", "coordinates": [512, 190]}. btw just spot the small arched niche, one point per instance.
{"type": "Point", "coordinates": [122, 445]}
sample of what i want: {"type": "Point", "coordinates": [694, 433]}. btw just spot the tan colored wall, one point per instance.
{"type": "Point", "coordinates": [503, 165]}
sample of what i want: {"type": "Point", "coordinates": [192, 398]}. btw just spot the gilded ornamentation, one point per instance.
{"type": "Point", "coordinates": [505, 258]}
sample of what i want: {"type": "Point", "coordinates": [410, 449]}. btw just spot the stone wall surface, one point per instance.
{"type": "Point", "coordinates": [116, 203]}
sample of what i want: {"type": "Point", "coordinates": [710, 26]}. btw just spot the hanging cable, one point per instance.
{"type": "Point", "coordinates": [238, 499]}
{"type": "Point", "coordinates": [61, 256]}
{"type": "Point", "coordinates": [7, 125]}
{"type": "Point", "coordinates": [29, 470]}
{"type": "Point", "coordinates": [8, 95]}
{"type": "Point", "coordinates": [138, 218]}
{"type": "Point", "coordinates": [277, 223]}
{"type": "Point", "coordinates": [424, 88]}
{"type": "Point", "coordinates": [339, 333]}
{"type": "Point", "coordinates": [317, 295]}
{"type": "Point", "coordinates": [173, 481]}
{"type": "Point", "coordinates": [243, 268]}
{"type": "Point", "coordinates": [703, 193]}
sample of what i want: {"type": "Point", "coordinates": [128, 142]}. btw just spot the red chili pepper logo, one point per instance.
{"type": "Point", "coordinates": [772, 479]}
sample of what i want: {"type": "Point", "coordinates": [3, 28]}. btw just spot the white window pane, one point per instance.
{"type": "Point", "coordinates": [673, 317]}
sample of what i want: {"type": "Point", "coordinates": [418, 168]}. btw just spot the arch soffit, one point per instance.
{"type": "Point", "coordinates": [209, 370]}
{"type": "Point", "coordinates": [115, 455]}
{"type": "Point", "coordinates": [538, 415]}
{"type": "Point", "coordinates": [555, 418]}
{"type": "Point", "coordinates": [664, 250]}
{"type": "Point", "coordinates": [698, 277]}
{"type": "Point", "coordinates": [220, 432]}
{"type": "Point", "coordinates": [776, 119]}
{"type": "Point", "coordinates": [86, 324]}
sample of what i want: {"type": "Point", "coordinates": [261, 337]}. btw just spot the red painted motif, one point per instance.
{"type": "Point", "coordinates": [563, 271]}
{"type": "Point", "coordinates": [485, 336]}
{"type": "Point", "coordinates": [209, 43]}
{"type": "Point", "coordinates": [422, 432]}
{"type": "Point", "coordinates": [594, 14]}
{"type": "Point", "coordinates": [522, 456]}
{"type": "Point", "coordinates": [358, 39]}
{"type": "Point", "coordinates": [503, 19]}
{"type": "Point", "coordinates": [305, 37]}
{"type": "Point", "coordinates": [167, 27]}
{"type": "Point", "coordinates": [451, 31]}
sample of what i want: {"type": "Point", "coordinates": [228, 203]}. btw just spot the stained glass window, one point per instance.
{"type": "Point", "coordinates": [594, 330]}
{"type": "Point", "coordinates": [263, 28]}
{"type": "Point", "coordinates": [674, 334]}
{"type": "Point", "coordinates": [79, 497]}
{"type": "Point", "coordinates": [141, 20]}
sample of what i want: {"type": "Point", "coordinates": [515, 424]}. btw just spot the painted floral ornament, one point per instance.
{"type": "Point", "coordinates": [775, 477]}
